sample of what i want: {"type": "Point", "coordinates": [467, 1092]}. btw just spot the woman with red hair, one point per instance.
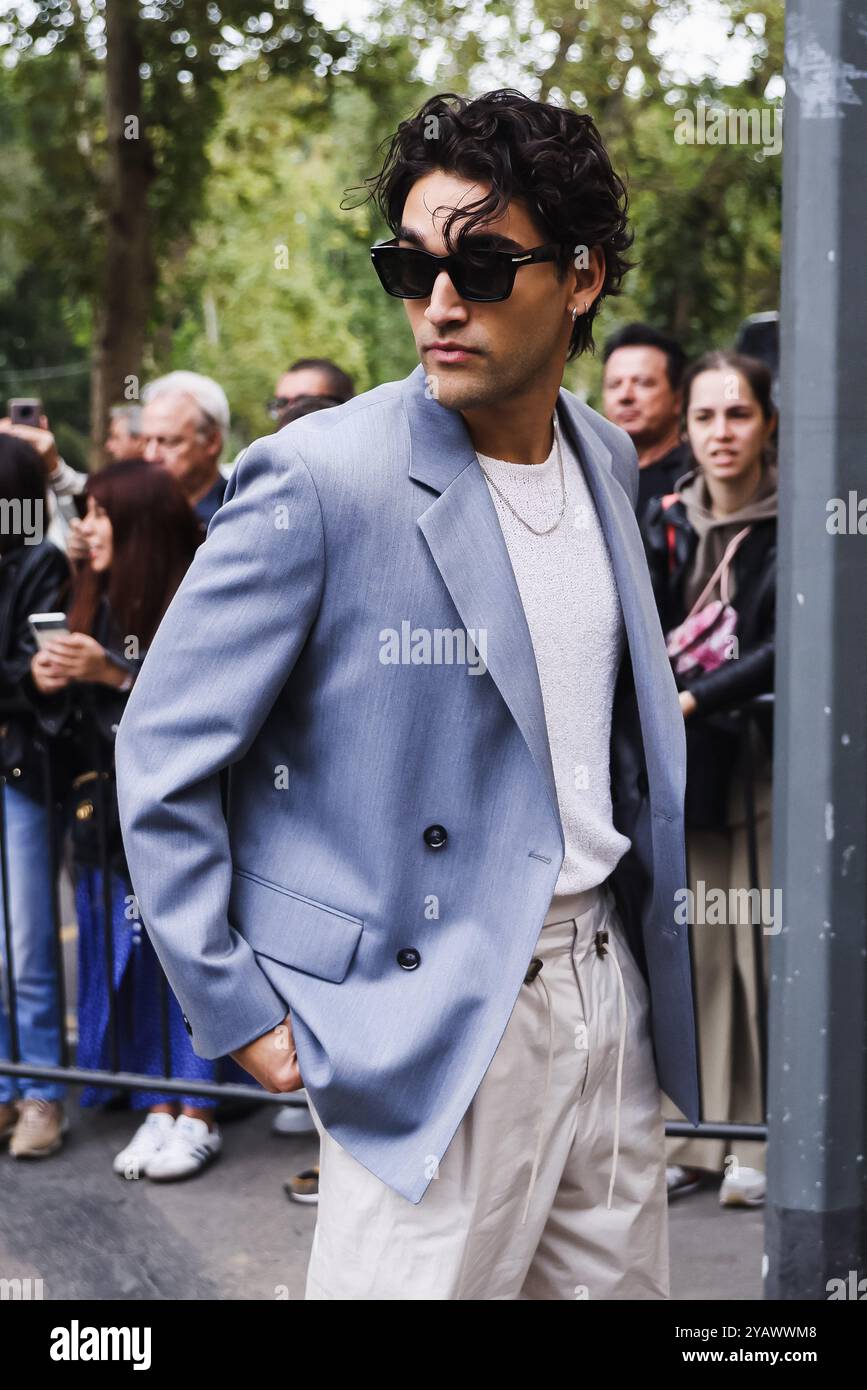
{"type": "Point", "coordinates": [141, 536]}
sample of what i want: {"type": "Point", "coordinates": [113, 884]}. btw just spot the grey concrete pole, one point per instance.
{"type": "Point", "coordinates": [818, 999]}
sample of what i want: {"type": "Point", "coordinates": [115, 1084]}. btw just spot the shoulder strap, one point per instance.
{"type": "Point", "coordinates": [671, 536]}
{"type": "Point", "coordinates": [721, 572]}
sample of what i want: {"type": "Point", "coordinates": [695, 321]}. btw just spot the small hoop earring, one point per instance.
{"type": "Point", "coordinates": [574, 314]}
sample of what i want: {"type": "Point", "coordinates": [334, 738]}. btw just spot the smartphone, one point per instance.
{"type": "Point", "coordinates": [44, 626]}
{"type": "Point", "coordinates": [25, 410]}
{"type": "Point", "coordinates": [69, 508]}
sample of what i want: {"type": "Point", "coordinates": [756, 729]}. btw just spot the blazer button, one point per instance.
{"type": "Point", "coordinates": [532, 970]}
{"type": "Point", "coordinates": [409, 958]}
{"type": "Point", "coordinates": [643, 785]}
{"type": "Point", "coordinates": [435, 836]}
{"type": "Point", "coordinates": [187, 1025]}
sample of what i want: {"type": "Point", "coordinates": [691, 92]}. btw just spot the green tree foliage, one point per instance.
{"type": "Point", "coordinates": [259, 121]}
{"type": "Point", "coordinates": [119, 97]}
{"type": "Point", "coordinates": [279, 269]}
{"type": "Point", "coordinates": [188, 48]}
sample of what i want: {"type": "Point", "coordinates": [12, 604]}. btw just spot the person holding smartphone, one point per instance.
{"type": "Point", "coordinates": [141, 535]}
{"type": "Point", "coordinates": [33, 577]}
{"type": "Point", "coordinates": [65, 485]}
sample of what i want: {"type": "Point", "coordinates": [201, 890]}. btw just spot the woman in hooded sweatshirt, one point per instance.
{"type": "Point", "coordinates": [714, 539]}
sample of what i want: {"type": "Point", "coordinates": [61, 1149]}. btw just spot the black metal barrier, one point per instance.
{"type": "Point", "coordinates": [95, 781]}
{"type": "Point", "coordinates": [114, 1077]}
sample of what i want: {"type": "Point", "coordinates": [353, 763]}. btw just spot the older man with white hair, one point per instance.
{"type": "Point", "coordinates": [124, 440]}
{"type": "Point", "coordinates": [185, 419]}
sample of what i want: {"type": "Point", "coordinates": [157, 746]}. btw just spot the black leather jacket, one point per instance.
{"type": "Point", "coordinates": [754, 565]}
{"type": "Point", "coordinates": [713, 741]}
{"type": "Point", "coordinates": [91, 702]}
{"type": "Point", "coordinates": [83, 719]}
{"type": "Point", "coordinates": [33, 579]}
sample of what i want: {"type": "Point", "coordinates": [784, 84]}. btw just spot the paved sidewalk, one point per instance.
{"type": "Point", "coordinates": [231, 1233]}
{"type": "Point", "coordinates": [715, 1252]}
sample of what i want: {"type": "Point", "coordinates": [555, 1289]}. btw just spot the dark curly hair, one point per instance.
{"type": "Point", "coordinates": [644, 335]}
{"type": "Point", "coordinates": [549, 156]}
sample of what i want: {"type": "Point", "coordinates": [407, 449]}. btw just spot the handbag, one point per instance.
{"type": "Point", "coordinates": [702, 642]}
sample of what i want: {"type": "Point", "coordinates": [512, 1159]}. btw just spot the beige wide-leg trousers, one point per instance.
{"type": "Point", "coordinates": [523, 1205]}
{"type": "Point", "coordinates": [726, 998]}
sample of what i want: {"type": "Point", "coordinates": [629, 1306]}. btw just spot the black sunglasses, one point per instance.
{"type": "Point", "coordinates": [483, 276]}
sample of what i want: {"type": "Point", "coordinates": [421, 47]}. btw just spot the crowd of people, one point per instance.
{"type": "Point", "coordinates": [117, 544]}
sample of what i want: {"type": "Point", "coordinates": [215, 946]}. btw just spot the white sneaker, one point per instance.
{"type": "Point", "coordinates": [745, 1188]}
{"type": "Point", "coordinates": [148, 1139]}
{"type": "Point", "coordinates": [190, 1147]}
{"type": "Point", "coordinates": [681, 1181]}
{"type": "Point", "coordinates": [294, 1117]}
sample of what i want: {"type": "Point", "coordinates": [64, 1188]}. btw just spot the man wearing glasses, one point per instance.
{"type": "Point", "coordinates": [184, 422]}
{"type": "Point", "coordinates": [309, 376]}
{"type": "Point", "coordinates": [421, 631]}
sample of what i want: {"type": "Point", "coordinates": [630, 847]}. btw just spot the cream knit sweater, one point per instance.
{"type": "Point", "coordinates": [573, 612]}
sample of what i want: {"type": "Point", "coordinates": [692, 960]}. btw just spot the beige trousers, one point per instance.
{"type": "Point", "coordinates": [519, 1207]}
{"type": "Point", "coordinates": [726, 1006]}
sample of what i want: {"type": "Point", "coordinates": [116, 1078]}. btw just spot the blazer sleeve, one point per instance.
{"type": "Point", "coordinates": [220, 657]}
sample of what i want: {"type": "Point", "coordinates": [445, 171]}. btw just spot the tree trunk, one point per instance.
{"type": "Point", "coordinates": [122, 311]}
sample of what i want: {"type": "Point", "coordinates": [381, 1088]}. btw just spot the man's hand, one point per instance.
{"type": "Point", "coordinates": [272, 1059]}
{"type": "Point", "coordinates": [688, 704]}
{"type": "Point", "coordinates": [42, 440]}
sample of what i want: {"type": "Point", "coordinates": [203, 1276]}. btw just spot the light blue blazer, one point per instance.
{"type": "Point", "coordinates": [391, 838]}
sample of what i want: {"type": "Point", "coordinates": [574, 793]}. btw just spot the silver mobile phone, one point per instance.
{"type": "Point", "coordinates": [44, 626]}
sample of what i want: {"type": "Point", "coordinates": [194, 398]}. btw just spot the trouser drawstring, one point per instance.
{"type": "Point", "coordinates": [603, 944]}
{"type": "Point", "coordinates": [532, 973]}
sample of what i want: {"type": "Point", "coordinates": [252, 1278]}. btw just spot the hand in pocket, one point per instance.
{"type": "Point", "coordinates": [272, 1059]}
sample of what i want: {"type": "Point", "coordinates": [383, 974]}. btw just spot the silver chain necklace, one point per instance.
{"type": "Point", "coordinates": [548, 529]}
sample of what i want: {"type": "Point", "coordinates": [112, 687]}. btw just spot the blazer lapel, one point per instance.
{"type": "Point", "coordinates": [463, 534]}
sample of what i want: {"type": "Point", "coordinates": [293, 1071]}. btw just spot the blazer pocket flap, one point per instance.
{"type": "Point", "coordinates": [297, 931]}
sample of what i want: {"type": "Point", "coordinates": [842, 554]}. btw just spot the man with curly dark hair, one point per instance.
{"type": "Point", "coordinates": [421, 631]}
